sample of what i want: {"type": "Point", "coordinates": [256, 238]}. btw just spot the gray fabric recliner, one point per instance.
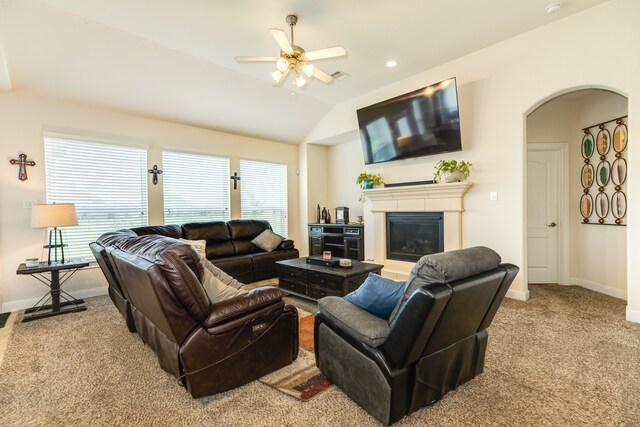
{"type": "Point", "coordinates": [434, 341]}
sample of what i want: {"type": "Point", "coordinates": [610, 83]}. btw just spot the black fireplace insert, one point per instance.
{"type": "Point", "coordinates": [411, 235]}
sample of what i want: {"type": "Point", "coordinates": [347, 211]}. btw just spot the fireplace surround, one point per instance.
{"type": "Point", "coordinates": [447, 198]}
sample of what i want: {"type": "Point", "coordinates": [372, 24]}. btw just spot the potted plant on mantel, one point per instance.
{"type": "Point", "coordinates": [451, 171]}
{"type": "Point", "coordinates": [368, 180]}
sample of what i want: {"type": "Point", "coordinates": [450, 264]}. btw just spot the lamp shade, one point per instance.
{"type": "Point", "coordinates": [53, 215]}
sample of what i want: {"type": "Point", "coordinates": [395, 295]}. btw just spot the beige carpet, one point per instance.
{"type": "Point", "coordinates": [565, 358]}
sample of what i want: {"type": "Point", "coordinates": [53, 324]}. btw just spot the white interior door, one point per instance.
{"type": "Point", "coordinates": [542, 216]}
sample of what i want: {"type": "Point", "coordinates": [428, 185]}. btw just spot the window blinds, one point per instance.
{"type": "Point", "coordinates": [263, 193]}
{"type": "Point", "coordinates": [107, 183]}
{"type": "Point", "coordinates": [196, 187]}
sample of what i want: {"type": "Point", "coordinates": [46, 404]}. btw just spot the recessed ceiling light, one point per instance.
{"type": "Point", "coordinates": [552, 8]}
{"type": "Point", "coordinates": [392, 63]}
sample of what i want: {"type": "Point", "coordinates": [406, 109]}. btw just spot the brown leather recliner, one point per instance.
{"type": "Point", "coordinates": [210, 347]}
{"type": "Point", "coordinates": [115, 289]}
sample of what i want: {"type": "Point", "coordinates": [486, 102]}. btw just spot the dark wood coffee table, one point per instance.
{"type": "Point", "coordinates": [315, 282]}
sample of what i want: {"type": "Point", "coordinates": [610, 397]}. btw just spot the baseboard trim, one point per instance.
{"type": "Point", "coordinates": [598, 287]}
{"type": "Point", "coordinates": [519, 295]}
{"type": "Point", "coordinates": [633, 315]}
{"type": "Point", "coordinates": [12, 306]}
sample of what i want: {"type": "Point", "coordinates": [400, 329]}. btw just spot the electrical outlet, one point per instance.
{"type": "Point", "coordinates": [28, 204]}
{"type": "Point", "coordinates": [493, 196]}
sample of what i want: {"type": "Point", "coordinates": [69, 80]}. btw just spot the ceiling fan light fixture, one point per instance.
{"type": "Point", "coordinates": [295, 60]}
{"type": "Point", "coordinates": [282, 64]}
{"type": "Point", "coordinates": [300, 80]}
{"type": "Point", "coordinates": [308, 69]}
{"type": "Point", "coordinates": [277, 76]}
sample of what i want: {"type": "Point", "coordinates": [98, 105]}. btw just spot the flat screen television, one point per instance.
{"type": "Point", "coordinates": [419, 123]}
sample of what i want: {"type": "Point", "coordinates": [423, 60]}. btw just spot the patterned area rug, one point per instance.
{"type": "Point", "coordinates": [301, 379]}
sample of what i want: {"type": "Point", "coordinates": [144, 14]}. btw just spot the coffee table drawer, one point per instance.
{"type": "Point", "coordinates": [293, 274]}
{"type": "Point", "coordinates": [320, 292]}
{"type": "Point", "coordinates": [288, 285]}
{"type": "Point", "coordinates": [324, 281]}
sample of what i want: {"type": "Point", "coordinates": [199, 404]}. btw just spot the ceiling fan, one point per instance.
{"type": "Point", "coordinates": [294, 59]}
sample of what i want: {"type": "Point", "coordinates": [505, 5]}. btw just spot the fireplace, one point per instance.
{"type": "Point", "coordinates": [411, 235]}
{"type": "Point", "coordinates": [446, 199]}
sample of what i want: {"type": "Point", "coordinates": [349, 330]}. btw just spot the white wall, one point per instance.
{"type": "Point", "coordinates": [498, 87]}
{"type": "Point", "coordinates": [315, 184]}
{"type": "Point", "coordinates": [597, 254]}
{"type": "Point", "coordinates": [22, 119]}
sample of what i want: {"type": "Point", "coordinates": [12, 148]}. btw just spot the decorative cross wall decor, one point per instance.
{"type": "Point", "coordinates": [155, 171]}
{"type": "Point", "coordinates": [235, 179]}
{"type": "Point", "coordinates": [23, 162]}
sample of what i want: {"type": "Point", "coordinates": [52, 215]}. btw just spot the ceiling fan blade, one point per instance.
{"type": "Point", "coordinates": [256, 58]}
{"type": "Point", "coordinates": [322, 76]}
{"type": "Point", "coordinates": [281, 39]}
{"type": "Point", "coordinates": [330, 52]}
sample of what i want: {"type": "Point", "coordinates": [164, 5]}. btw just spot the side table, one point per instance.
{"type": "Point", "coordinates": [55, 282]}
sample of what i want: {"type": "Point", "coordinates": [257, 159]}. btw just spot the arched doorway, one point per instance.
{"type": "Point", "coordinates": [560, 247]}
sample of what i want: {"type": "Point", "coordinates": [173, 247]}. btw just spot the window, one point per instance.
{"type": "Point", "coordinates": [196, 187]}
{"type": "Point", "coordinates": [107, 183]}
{"type": "Point", "coordinates": [263, 193]}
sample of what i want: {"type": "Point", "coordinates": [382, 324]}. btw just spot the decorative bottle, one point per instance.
{"type": "Point", "coordinates": [318, 214]}
{"type": "Point", "coordinates": [328, 220]}
{"type": "Point", "coordinates": [323, 219]}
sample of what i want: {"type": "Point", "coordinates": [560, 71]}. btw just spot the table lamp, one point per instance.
{"type": "Point", "coordinates": [54, 215]}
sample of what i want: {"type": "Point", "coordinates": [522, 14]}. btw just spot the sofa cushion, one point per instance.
{"type": "Point", "coordinates": [218, 291]}
{"type": "Point", "coordinates": [246, 229]}
{"type": "Point", "coordinates": [446, 267]}
{"type": "Point", "coordinates": [267, 240]}
{"type": "Point", "coordinates": [377, 295]}
{"type": "Point", "coordinates": [216, 233]}
{"type": "Point", "coordinates": [359, 324]}
{"type": "Point", "coordinates": [199, 245]}
{"type": "Point", "coordinates": [170, 230]}
{"type": "Point", "coordinates": [219, 274]}
{"type": "Point", "coordinates": [238, 267]}
{"type": "Point", "coordinates": [212, 231]}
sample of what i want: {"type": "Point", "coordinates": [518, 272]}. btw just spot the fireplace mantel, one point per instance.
{"type": "Point", "coordinates": [447, 198]}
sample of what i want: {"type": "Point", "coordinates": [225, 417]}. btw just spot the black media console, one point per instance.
{"type": "Point", "coordinates": [343, 240]}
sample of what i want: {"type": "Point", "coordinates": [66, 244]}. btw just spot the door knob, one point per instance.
{"type": "Point", "coordinates": [553, 224]}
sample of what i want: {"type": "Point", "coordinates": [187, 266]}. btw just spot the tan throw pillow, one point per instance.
{"type": "Point", "coordinates": [200, 245]}
{"type": "Point", "coordinates": [267, 240]}
{"type": "Point", "coordinates": [218, 291]}
{"type": "Point", "coordinates": [219, 274]}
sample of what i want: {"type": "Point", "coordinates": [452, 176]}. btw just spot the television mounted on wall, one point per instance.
{"type": "Point", "coordinates": [419, 123]}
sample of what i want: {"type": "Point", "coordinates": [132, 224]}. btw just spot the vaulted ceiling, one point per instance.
{"type": "Point", "coordinates": [174, 59]}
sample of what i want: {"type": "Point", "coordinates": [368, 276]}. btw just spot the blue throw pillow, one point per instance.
{"type": "Point", "coordinates": [377, 295]}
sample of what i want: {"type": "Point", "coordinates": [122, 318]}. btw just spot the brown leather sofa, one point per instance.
{"type": "Point", "coordinates": [209, 347]}
{"type": "Point", "coordinates": [434, 341]}
{"type": "Point", "coordinates": [229, 246]}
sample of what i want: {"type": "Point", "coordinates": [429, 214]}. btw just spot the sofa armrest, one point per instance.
{"type": "Point", "coordinates": [286, 244]}
{"type": "Point", "coordinates": [254, 300]}
{"type": "Point", "coordinates": [354, 321]}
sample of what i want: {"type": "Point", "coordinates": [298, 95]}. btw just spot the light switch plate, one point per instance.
{"type": "Point", "coordinates": [493, 196]}
{"type": "Point", "coordinates": [28, 204]}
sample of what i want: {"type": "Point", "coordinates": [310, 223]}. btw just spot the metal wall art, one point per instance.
{"type": "Point", "coordinates": [155, 171]}
{"type": "Point", "coordinates": [604, 165]}
{"type": "Point", "coordinates": [23, 162]}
